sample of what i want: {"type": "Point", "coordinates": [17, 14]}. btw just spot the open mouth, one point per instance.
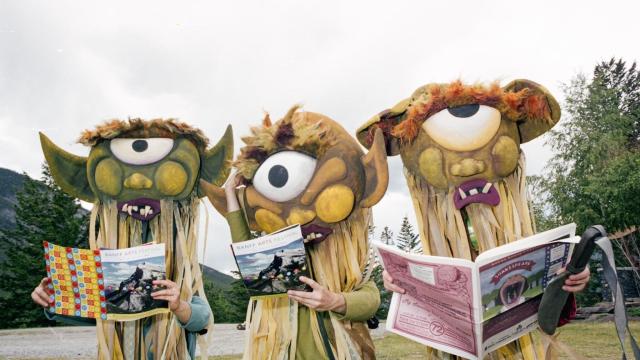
{"type": "Point", "coordinates": [476, 191]}
{"type": "Point", "coordinates": [511, 292]}
{"type": "Point", "coordinates": [314, 234]}
{"type": "Point", "coordinates": [141, 208]}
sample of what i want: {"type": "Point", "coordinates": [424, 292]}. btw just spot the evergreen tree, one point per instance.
{"type": "Point", "coordinates": [386, 237]}
{"type": "Point", "coordinates": [407, 240]}
{"type": "Point", "coordinates": [238, 297]}
{"type": "Point", "coordinates": [43, 212]}
{"type": "Point", "coordinates": [385, 295]}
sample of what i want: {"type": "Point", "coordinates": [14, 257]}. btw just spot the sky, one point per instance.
{"type": "Point", "coordinates": [69, 65]}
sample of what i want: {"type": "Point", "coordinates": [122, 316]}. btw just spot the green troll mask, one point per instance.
{"type": "Point", "coordinates": [142, 177]}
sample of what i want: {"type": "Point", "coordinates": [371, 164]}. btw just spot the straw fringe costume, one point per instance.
{"type": "Point", "coordinates": [326, 184]}
{"type": "Point", "coordinates": [460, 146]}
{"type": "Point", "coordinates": [142, 178]}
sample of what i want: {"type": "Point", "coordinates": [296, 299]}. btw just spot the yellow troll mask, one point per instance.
{"type": "Point", "coordinates": [306, 169]}
{"type": "Point", "coordinates": [142, 177]}
{"type": "Point", "coordinates": [460, 146]}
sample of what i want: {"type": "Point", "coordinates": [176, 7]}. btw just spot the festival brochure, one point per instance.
{"type": "Point", "coordinates": [105, 284]}
{"type": "Point", "coordinates": [470, 308]}
{"type": "Point", "coordinates": [272, 264]}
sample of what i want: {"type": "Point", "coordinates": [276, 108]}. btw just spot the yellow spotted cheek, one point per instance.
{"type": "Point", "coordinates": [268, 221]}
{"type": "Point", "coordinates": [335, 203]}
{"type": "Point", "coordinates": [108, 177]}
{"type": "Point", "coordinates": [171, 178]}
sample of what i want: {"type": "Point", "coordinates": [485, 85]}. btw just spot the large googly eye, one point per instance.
{"type": "Point", "coordinates": [463, 128]}
{"type": "Point", "coordinates": [141, 151]}
{"type": "Point", "coordinates": [284, 175]}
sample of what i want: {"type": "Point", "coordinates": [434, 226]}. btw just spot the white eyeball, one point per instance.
{"type": "Point", "coordinates": [141, 151]}
{"type": "Point", "coordinates": [463, 128]}
{"type": "Point", "coordinates": [284, 175]}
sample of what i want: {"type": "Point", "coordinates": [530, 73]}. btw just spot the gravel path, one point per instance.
{"type": "Point", "coordinates": [79, 342]}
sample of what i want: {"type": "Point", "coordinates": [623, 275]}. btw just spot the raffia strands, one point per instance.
{"type": "Point", "coordinates": [165, 339]}
{"type": "Point", "coordinates": [443, 233]}
{"type": "Point", "coordinates": [272, 329]}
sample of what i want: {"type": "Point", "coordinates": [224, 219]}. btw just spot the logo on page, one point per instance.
{"type": "Point", "coordinates": [423, 273]}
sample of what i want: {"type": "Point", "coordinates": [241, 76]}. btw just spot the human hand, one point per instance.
{"type": "Point", "coordinates": [577, 282]}
{"type": "Point", "coordinates": [320, 299]}
{"type": "Point", "coordinates": [233, 181]}
{"type": "Point", "coordinates": [171, 293]}
{"type": "Point", "coordinates": [40, 294]}
{"type": "Point", "coordinates": [389, 285]}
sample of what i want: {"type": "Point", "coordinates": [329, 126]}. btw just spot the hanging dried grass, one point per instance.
{"type": "Point", "coordinates": [119, 231]}
{"type": "Point", "coordinates": [443, 233]}
{"type": "Point", "coordinates": [341, 264]}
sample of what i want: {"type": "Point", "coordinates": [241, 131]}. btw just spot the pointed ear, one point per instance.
{"type": "Point", "coordinates": [216, 196]}
{"type": "Point", "coordinates": [532, 127]}
{"type": "Point", "coordinates": [216, 162]}
{"type": "Point", "coordinates": [69, 171]}
{"type": "Point", "coordinates": [384, 121]}
{"type": "Point", "coordinates": [376, 170]}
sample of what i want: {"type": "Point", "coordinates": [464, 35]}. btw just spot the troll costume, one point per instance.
{"type": "Point", "coordinates": [460, 146]}
{"type": "Point", "coordinates": [306, 169]}
{"type": "Point", "coordinates": [142, 178]}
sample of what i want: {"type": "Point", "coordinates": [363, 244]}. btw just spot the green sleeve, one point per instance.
{"type": "Point", "coordinates": [238, 225]}
{"type": "Point", "coordinates": [361, 304]}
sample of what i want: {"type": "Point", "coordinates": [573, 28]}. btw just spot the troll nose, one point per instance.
{"type": "Point", "coordinates": [138, 181]}
{"type": "Point", "coordinates": [468, 167]}
{"type": "Point", "coordinates": [300, 216]}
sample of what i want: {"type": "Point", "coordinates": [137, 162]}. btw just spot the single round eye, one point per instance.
{"type": "Point", "coordinates": [463, 128]}
{"type": "Point", "coordinates": [141, 151]}
{"type": "Point", "coordinates": [284, 175]}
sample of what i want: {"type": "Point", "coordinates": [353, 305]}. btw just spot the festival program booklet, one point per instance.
{"type": "Point", "coordinates": [272, 264]}
{"type": "Point", "coordinates": [470, 308]}
{"type": "Point", "coordinates": [105, 284]}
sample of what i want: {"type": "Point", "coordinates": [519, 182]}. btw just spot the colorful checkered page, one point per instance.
{"type": "Point", "coordinates": [77, 283]}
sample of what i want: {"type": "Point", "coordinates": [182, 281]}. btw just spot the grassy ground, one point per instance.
{"type": "Point", "coordinates": [591, 340]}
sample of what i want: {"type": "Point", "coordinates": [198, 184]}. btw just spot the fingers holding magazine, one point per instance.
{"type": "Point", "coordinates": [320, 299]}
{"type": "Point", "coordinates": [389, 285]}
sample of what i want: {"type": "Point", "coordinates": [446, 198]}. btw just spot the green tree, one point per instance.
{"type": "Point", "coordinates": [43, 212]}
{"type": "Point", "coordinates": [385, 295]}
{"type": "Point", "coordinates": [407, 239]}
{"type": "Point", "coordinates": [594, 176]}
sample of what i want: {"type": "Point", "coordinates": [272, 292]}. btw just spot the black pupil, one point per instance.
{"type": "Point", "coordinates": [278, 176]}
{"type": "Point", "coordinates": [464, 111]}
{"type": "Point", "coordinates": [140, 145]}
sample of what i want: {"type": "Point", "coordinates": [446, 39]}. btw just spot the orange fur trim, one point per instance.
{"type": "Point", "coordinates": [433, 98]}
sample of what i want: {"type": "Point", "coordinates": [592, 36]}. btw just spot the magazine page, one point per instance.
{"type": "Point", "coordinates": [511, 286]}
{"type": "Point", "coordinates": [77, 285]}
{"type": "Point", "coordinates": [128, 281]}
{"type": "Point", "coordinates": [271, 265]}
{"type": "Point", "coordinates": [438, 308]}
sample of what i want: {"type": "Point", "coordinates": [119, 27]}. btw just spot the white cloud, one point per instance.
{"type": "Point", "coordinates": [67, 65]}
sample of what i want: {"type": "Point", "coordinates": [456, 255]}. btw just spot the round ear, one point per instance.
{"type": "Point", "coordinates": [384, 121]}
{"type": "Point", "coordinates": [532, 127]}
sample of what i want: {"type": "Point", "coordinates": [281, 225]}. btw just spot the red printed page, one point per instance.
{"type": "Point", "coordinates": [438, 307]}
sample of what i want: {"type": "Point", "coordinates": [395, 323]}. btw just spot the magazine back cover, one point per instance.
{"type": "Point", "coordinates": [271, 265]}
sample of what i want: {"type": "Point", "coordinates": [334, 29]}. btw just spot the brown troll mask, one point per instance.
{"type": "Point", "coordinates": [306, 169]}
{"type": "Point", "coordinates": [466, 136]}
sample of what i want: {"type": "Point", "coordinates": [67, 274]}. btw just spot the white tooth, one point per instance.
{"type": "Point", "coordinates": [473, 192]}
{"type": "Point", "coordinates": [146, 209]}
{"type": "Point", "coordinates": [124, 207]}
{"type": "Point", "coordinates": [312, 236]}
{"type": "Point", "coordinates": [143, 212]}
{"type": "Point", "coordinates": [486, 188]}
{"type": "Point", "coordinates": [318, 235]}
{"type": "Point", "coordinates": [129, 210]}
{"type": "Point", "coordinates": [150, 212]}
{"type": "Point", "coordinates": [462, 194]}
{"type": "Point", "coordinates": [135, 208]}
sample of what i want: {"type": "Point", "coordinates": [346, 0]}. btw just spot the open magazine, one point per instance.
{"type": "Point", "coordinates": [105, 284]}
{"type": "Point", "coordinates": [469, 308]}
{"type": "Point", "coordinates": [272, 264]}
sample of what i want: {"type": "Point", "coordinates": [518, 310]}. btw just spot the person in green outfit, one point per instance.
{"type": "Point", "coordinates": [306, 169]}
